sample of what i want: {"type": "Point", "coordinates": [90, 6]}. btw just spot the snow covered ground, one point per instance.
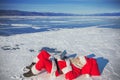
{"type": "Point", "coordinates": [17, 51]}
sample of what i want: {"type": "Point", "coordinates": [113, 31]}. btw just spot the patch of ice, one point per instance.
{"type": "Point", "coordinates": [58, 21]}
{"type": "Point", "coordinates": [34, 27]}
{"type": "Point", "coordinates": [21, 25]}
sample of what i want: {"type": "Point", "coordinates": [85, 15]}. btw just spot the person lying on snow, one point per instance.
{"type": "Point", "coordinates": [71, 68]}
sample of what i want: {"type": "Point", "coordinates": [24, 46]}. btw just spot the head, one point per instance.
{"type": "Point", "coordinates": [79, 61]}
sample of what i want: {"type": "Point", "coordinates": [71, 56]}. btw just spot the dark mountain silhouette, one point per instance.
{"type": "Point", "coordinates": [106, 14]}
{"type": "Point", "coordinates": [27, 13]}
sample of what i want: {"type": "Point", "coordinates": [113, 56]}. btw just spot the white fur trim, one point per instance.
{"type": "Point", "coordinates": [83, 60]}
{"type": "Point", "coordinates": [36, 59]}
{"type": "Point", "coordinates": [87, 75]}
{"type": "Point", "coordinates": [54, 69]}
{"type": "Point", "coordinates": [34, 70]}
{"type": "Point", "coordinates": [68, 67]}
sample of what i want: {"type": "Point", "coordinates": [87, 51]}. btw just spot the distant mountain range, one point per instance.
{"type": "Point", "coordinates": [26, 13]}
{"type": "Point", "coordinates": [106, 14]}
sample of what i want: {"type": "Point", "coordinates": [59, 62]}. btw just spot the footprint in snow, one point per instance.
{"type": "Point", "coordinates": [16, 77]}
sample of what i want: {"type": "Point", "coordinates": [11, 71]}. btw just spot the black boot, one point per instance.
{"type": "Point", "coordinates": [30, 66]}
{"type": "Point", "coordinates": [28, 74]}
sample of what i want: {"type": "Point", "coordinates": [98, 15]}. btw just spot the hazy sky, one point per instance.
{"type": "Point", "coordinates": [63, 6]}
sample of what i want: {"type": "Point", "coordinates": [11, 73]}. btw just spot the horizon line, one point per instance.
{"type": "Point", "coordinates": [60, 12]}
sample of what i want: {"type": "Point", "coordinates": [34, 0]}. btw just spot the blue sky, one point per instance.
{"type": "Point", "coordinates": [63, 6]}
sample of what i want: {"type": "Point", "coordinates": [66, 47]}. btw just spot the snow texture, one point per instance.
{"type": "Point", "coordinates": [18, 51]}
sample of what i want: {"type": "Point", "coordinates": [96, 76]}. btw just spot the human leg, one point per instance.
{"type": "Point", "coordinates": [42, 54]}
{"type": "Point", "coordinates": [43, 62]}
{"type": "Point", "coordinates": [40, 62]}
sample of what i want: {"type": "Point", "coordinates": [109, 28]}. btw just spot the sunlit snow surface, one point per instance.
{"type": "Point", "coordinates": [17, 50]}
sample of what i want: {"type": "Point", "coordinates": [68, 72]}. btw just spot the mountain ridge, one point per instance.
{"type": "Point", "coordinates": [28, 13]}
